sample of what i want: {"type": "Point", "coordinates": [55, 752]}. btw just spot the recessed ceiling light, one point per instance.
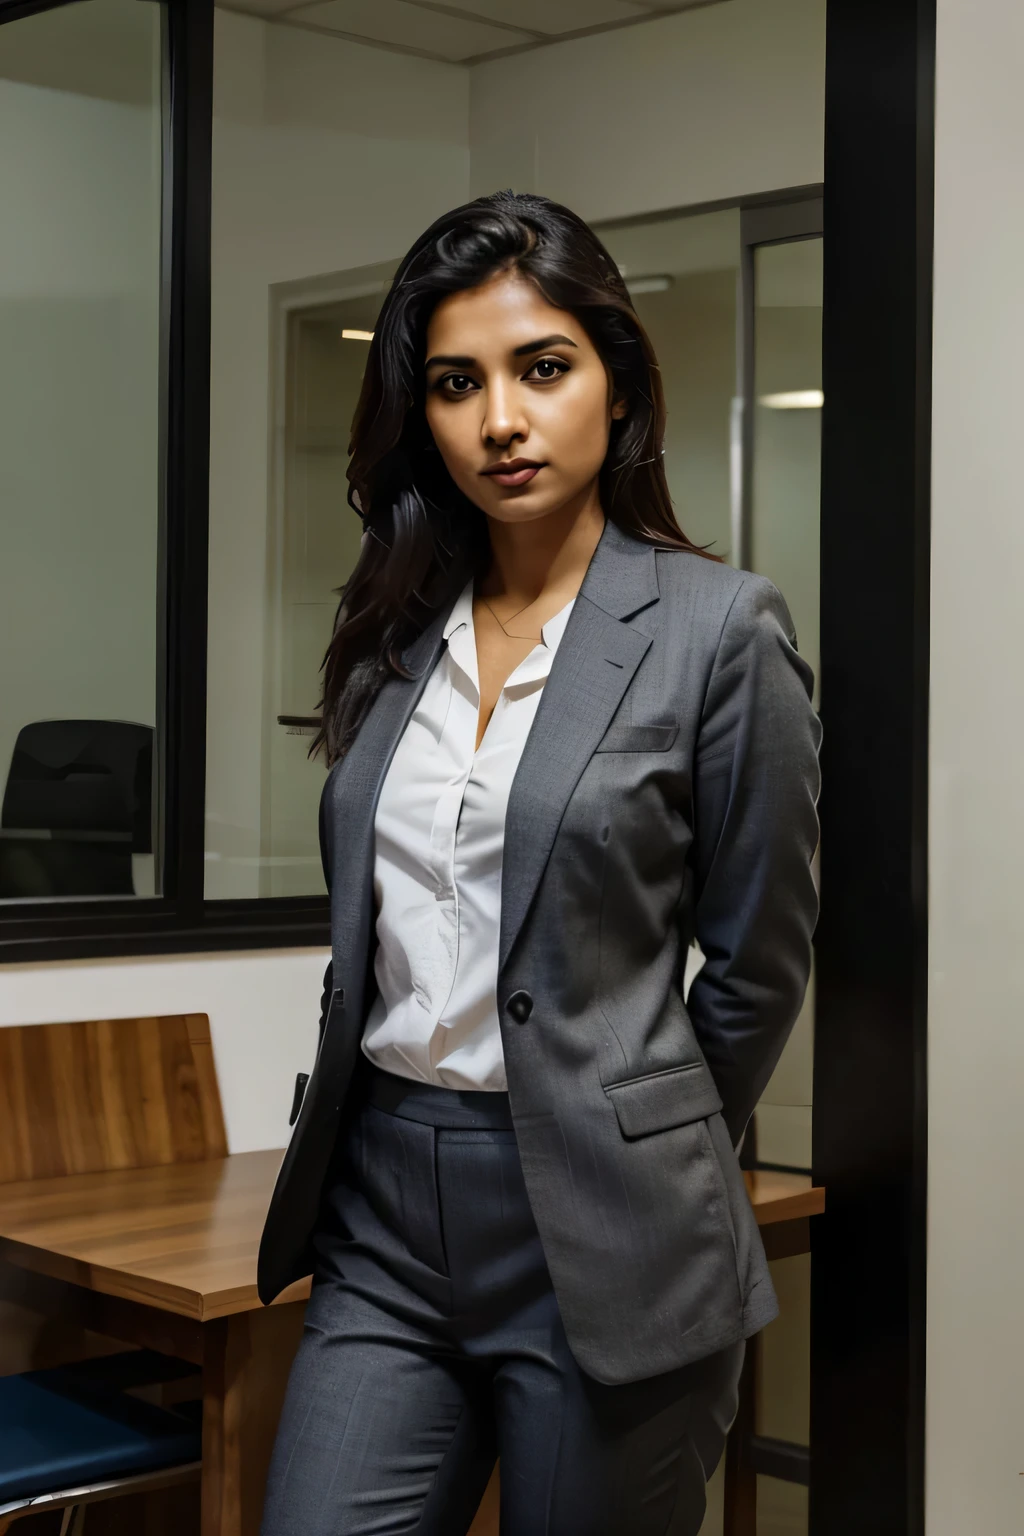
{"type": "Point", "coordinates": [795, 400]}
{"type": "Point", "coordinates": [348, 335]}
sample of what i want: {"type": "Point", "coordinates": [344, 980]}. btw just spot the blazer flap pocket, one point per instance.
{"type": "Point", "coordinates": [664, 1099]}
{"type": "Point", "coordinates": [637, 738]}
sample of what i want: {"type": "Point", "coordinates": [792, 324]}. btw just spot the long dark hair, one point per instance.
{"type": "Point", "coordinates": [425, 537]}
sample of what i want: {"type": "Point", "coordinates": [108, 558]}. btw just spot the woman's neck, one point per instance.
{"type": "Point", "coordinates": [546, 554]}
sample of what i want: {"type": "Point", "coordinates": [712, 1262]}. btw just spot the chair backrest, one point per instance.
{"type": "Point", "coordinates": [109, 1093]}
{"type": "Point", "coordinates": [77, 804]}
{"type": "Point", "coordinates": [82, 776]}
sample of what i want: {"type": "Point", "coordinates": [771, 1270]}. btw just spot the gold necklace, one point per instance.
{"type": "Point", "coordinates": [535, 638]}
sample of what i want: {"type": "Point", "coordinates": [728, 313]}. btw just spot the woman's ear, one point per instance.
{"type": "Point", "coordinates": [620, 408]}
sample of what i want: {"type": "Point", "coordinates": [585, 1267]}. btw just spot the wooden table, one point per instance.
{"type": "Point", "coordinates": [783, 1204]}
{"type": "Point", "coordinates": [166, 1258]}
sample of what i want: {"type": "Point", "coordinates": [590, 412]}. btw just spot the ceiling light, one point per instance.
{"type": "Point", "coordinates": [795, 400]}
{"type": "Point", "coordinates": [347, 335]}
{"type": "Point", "coordinates": [658, 283]}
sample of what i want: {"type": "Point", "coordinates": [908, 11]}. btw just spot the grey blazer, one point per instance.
{"type": "Point", "coordinates": [667, 790]}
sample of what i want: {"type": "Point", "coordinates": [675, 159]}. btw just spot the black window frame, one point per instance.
{"type": "Point", "coordinates": [180, 919]}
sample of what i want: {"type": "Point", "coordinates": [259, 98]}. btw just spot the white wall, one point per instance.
{"type": "Point", "coordinates": [975, 1423]}
{"type": "Point", "coordinates": [263, 1007]}
{"type": "Point", "coordinates": [718, 102]}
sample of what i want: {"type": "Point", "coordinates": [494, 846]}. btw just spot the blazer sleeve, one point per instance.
{"type": "Point", "coordinates": [755, 789]}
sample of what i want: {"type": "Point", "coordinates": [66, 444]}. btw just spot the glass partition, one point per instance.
{"type": "Point", "coordinates": [682, 276]}
{"type": "Point", "coordinates": [81, 144]}
{"type": "Point", "coordinates": [784, 542]}
{"type": "Point", "coordinates": [317, 538]}
{"type": "Point", "coordinates": [785, 534]}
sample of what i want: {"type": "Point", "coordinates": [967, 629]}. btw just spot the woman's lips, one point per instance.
{"type": "Point", "coordinates": [514, 475]}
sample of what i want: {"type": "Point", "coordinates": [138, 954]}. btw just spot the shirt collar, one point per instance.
{"type": "Point", "coordinates": [460, 637]}
{"type": "Point", "coordinates": [462, 613]}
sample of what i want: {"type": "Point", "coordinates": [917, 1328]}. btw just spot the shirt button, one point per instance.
{"type": "Point", "coordinates": [520, 1006]}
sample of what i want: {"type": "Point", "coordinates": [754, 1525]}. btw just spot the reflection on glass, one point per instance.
{"type": "Point", "coordinates": [681, 274]}
{"type": "Point", "coordinates": [319, 537]}
{"type": "Point", "coordinates": [786, 477]}
{"type": "Point", "coordinates": [262, 808]}
{"type": "Point", "coordinates": [785, 522]}
{"type": "Point", "coordinates": [80, 193]}
{"type": "Point", "coordinates": [787, 429]}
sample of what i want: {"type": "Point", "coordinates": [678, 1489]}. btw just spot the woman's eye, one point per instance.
{"type": "Point", "coordinates": [457, 383]}
{"type": "Point", "coordinates": [548, 368]}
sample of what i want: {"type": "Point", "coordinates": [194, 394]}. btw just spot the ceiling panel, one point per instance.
{"type": "Point", "coordinates": [550, 17]}
{"type": "Point", "coordinates": [461, 30]}
{"type": "Point", "coordinates": [409, 26]}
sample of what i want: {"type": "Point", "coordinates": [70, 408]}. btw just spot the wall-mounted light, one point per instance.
{"type": "Point", "coordinates": [795, 400]}
{"type": "Point", "coordinates": [348, 335]}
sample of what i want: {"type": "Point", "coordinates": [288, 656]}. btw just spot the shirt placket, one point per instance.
{"type": "Point", "coordinates": [460, 731]}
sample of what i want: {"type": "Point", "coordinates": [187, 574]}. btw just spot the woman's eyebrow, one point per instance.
{"type": "Point", "coordinates": [450, 362]}
{"type": "Point", "coordinates": [538, 346]}
{"type": "Point", "coordinates": [528, 347]}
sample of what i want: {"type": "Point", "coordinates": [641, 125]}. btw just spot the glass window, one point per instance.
{"type": "Point", "coordinates": [786, 481]}
{"type": "Point", "coordinates": [81, 145]}
{"type": "Point", "coordinates": [682, 274]}
{"type": "Point", "coordinates": [318, 538]}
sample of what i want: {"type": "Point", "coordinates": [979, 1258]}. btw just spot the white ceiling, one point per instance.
{"type": "Point", "coordinates": [463, 33]}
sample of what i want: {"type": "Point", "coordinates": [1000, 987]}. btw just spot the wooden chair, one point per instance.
{"type": "Point", "coordinates": [93, 1097]}
{"type": "Point", "coordinates": [105, 1094]}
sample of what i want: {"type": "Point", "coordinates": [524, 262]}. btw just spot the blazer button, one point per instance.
{"type": "Point", "coordinates": [520, 1006]}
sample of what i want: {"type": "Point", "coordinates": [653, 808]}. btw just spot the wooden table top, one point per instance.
{"type": "Point", "coordinates": [779, 1196]}
{"type": "Point", "coordinates": [184, 1237]}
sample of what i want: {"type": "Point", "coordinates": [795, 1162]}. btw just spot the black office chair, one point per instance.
{"type": "Point", "coordinates": [77, 805]}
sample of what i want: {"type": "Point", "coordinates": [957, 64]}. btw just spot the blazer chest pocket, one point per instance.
{"type": "Point", "coordinates": [637, 738]}
{"type": "Point", "coordinates": [663, 1100]}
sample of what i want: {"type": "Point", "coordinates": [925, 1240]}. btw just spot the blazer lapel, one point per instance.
{"type": "Point", "coordinates": [593, 666]}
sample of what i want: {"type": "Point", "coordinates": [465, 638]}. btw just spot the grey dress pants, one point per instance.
{"type": "Point", "coordinates": [433, 1343]}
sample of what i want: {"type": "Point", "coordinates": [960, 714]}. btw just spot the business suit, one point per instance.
{"type": "Point", "coordinates": [667, 789]}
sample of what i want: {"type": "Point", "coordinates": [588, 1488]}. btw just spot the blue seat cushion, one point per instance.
{"type": "Point", "coordinates": [59, 1431]}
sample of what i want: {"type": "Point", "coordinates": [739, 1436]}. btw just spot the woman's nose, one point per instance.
{"type": "Point", "coordinates": [503, 418]}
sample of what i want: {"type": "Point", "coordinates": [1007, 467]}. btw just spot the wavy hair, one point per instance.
{"type": "Point", "coordinates": [425, 537]}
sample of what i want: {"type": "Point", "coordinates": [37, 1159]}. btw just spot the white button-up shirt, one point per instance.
{"type": "Point", "coordinates": [440, 830]}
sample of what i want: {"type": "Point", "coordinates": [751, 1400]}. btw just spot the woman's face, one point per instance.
{"type": "Point", "coordinates": [518, 400]}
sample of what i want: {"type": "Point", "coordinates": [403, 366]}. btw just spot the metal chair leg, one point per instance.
{"type": "Point", "coordinates": [740, 1477]}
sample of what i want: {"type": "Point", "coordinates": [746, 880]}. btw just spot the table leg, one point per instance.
{"type": "Point", "coordinates": [246, 1360]}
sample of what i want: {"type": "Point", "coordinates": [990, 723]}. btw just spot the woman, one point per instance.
{"type": "Point", "coordinates": [565, 743]}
